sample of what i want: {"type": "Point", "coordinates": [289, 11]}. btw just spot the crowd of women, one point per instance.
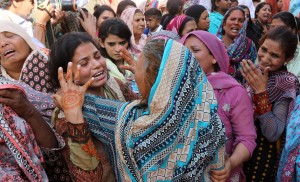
{"type": "Point", "coordinates": [150, 93]}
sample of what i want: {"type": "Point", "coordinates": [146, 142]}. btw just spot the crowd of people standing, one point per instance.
{"type": "Point", "coordinates": [150, 90]}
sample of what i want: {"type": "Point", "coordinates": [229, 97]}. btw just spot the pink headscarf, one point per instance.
{"type": "Point", "coordinates": [127, 17]}
{"type": "Point", "coordinates": [221, 79]}
{"type": "Point", "coordinates": [176, 23]}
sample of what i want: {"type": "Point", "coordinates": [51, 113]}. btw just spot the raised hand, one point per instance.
{"type": "Point", "coordinates": [129, 60]}
{"type": "Point", "coordinates": [71, 95]}
{"type": "Point", "coordinates": [256, 79]}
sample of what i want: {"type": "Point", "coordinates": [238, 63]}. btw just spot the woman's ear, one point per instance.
{"type": "Point", "coordinates": [101, 43]}
{"type": "Point", "coordinates": [213, 61]}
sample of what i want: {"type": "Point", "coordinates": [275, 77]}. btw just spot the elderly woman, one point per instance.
{"type": "Point", "coordinates": [234, 104]}
{"type": "Point", "coordinates": [135, 20]}
{"type": "Point", "coordinates": [25, 136]}
{"type": "Point", "coordinates": [232, 32]}
{"type": "Point", "coordinates": [167, 135]}
{"type": "Point", "coordinates": [273, 90]}
{"type": "Point", "coordinates": [21, 59]}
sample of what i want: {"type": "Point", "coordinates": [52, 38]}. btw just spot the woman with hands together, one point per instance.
{"type": "Point", "coordinates": [273, 90]}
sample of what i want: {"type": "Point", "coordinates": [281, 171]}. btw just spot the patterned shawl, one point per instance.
{"type": "Point", "coordinates": [21, 155]}
{"type": "Point", "coordinates": [241, 47]}
{"type": "Point", "coordinates": [176, 23]}
{"type": "Point", "coordinates": [178, 137]}
{"type": "Point", "coordinates": [127, 17]}
{"type": "Point", "coordinates": [164, 34]}
{"type": "Point", "coordinates": [289, 165]}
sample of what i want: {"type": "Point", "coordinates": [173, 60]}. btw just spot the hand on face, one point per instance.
{"type": "Point", "coordinates": [255, 78]}
{"type": "Point", "coordinates": [129, 60]}
{"type": "Point", "coordinates": [71, 97]}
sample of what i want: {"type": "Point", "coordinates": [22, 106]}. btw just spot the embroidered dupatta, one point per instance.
{"type": "Point", "coordinates": [178, 137]}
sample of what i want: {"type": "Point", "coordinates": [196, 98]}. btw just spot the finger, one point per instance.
{"type": "Point", "coordinates": [127, 67]}
{"type": "Point", "coordinates": [69, 75]}
{"type": "Point", "coordinates": [61, 78]}
{"type": "Point", "coordinates": [6, 101]}
{"type": "Point", "coordinates": [218, 172]}
{"type": "Point", "coordinates": [266, 72]}
{"type": "Point", "coordinates": [83, 14]}
{"type": "Point", "coordinates": [57, 99]}
{"type": "Point", "coordinates": [88, 84]}
{"type": "Point", "coordinates": [77, 75]}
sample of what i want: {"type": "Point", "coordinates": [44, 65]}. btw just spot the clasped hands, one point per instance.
{"type": "Point", "coordinates": [256, 78]}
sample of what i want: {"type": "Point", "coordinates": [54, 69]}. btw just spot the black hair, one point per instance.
{"type": "Point", "coordinates": [123, 5]}
{"type": "Point", "coordinates": [187, 19]}
{"type": "Point", "coordinates": [213, 5]}
{"type": "Point", "coordinates": [285, 37]}
{"type": "Point", "coordinates": [153, 12]}
{"type": "Point", "coordinates": [228, 13]}
{"type": "Point", "coordinates": [174, 7]}
{"type": "Point", "coordinates": [62, 52]}
{"type": "Point", "coordinates": [288, 19]}
{"type": "Point", "coordinates": [101, 9]}
{"type": "Point", "coordinates": [114, 26]}
{"type": "Point", "coordinates": [260, 6]}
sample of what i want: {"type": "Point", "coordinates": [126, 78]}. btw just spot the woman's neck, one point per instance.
{"type": "Point", "coordinates": [14, 74]}
{"type": "Point", "coordinates": [137, 38]}
{"type": "Point", "coordinates": [119, 63]}
{"type": "Point", "coordinates": [227, 40]}
{"type": "Point", "coordinates": [96, 91]}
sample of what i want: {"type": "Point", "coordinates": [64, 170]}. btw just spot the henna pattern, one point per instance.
{"type": "Point", "coordinates": [71, 99]}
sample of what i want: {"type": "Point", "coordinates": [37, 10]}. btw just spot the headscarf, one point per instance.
{"type": "Point", "coordinates": [176, 23]}
{"type": "Point", "coordinates": [178, 130]}
{"type": "Point", "coordinates": [164, 34]}
{"type": "Point", "coordinates": [195, 11]}
{"type": "Point", "coordinates": [241, 47]}
{"type": "Point", "coordinates": [8, 26]}
{"type": "Point", "coordinates": [189, 3]}
{"type": "Point", "coordinates": [24, 155]}
{"type": "Point", "coordinates": [289, 165]}
{"type": "Point", "coordinates": [127, 17]}
{"type": "Point", "coordinates": [218, 80]}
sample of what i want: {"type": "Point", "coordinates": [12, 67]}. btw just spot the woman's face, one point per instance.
{"type": "Point", "coordinates": [270, 54]}
{"type": "Point", "coordinates": [105, 15]}
{"type": "Point", "coordinates": [264, 13]}
{"type": "Point", "coordinates": [92, 65]}
{"type": "Point", "coordinates": [189, 27]}
{"type": "Point", "coordinates": [234, 24]}
{"type": "Point", "coordinates": [13, 51]}
{"type": "Point", "coordinates": [247, 14]}
{"type": "Point", "coordinates": [138, 23]}
{"type": "Point", "coordinates": [113, 45]}
{"type": "Point", "coordinates": [203, 23]}
{"type": "Point", "coordinates": [201, 53]}
{"type": "Point", "coordinates": [140, 76]}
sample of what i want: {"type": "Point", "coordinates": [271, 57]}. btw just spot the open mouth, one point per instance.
{"type": "Point", "coordinates": [98, 74]}
{"type": "Point", "coordinates": [8, 52]}
{"type": "Point", "coordinates": [235, 30]}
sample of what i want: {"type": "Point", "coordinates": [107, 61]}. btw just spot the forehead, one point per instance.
{"type": "Point", "coordinates": [138, 15]}
{"type": "Point", "coordinates": [278, 22]}
{"type": "Point", "coordinates": [114, 38]}
{"type": "Point", "coordinates": [107, 13]}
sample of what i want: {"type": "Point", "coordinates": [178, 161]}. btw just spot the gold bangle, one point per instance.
{"type": "Point", "coordinates": [40, 25]}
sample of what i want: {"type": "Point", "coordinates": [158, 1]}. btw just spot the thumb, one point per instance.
{"type": "Point", "coordinates": [57, 100]}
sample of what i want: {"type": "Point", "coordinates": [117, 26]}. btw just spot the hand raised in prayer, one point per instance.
{"type": "Point", "coordinates": [256, 79]}
{"type": "Point", "coordinates": [71, 97]}
{"type": "Point", "coordinates": [129, 60]}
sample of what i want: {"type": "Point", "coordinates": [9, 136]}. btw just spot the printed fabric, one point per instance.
{"type": "Point", "coordinates": [177, 137]}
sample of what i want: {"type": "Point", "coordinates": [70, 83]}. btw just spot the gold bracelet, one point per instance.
{"type": "Point", "coordinates": [40, 25]}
